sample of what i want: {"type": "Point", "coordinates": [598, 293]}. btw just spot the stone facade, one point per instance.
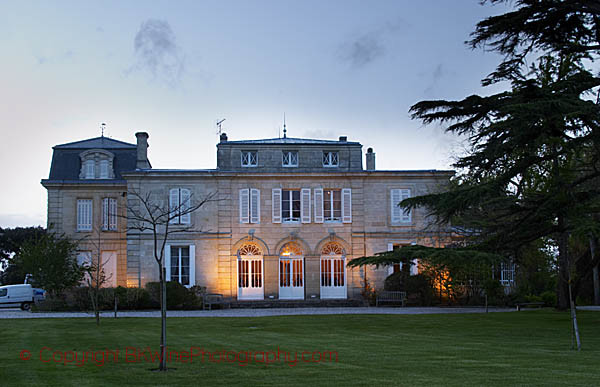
{"type": "Point", "coordinates": [367, 225]}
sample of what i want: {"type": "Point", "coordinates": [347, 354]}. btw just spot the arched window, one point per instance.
{"type": "Point", "coordinates": [332, 248]}
{"type": "Point", "coordinates": [291, 248]}
{"type": "Point", "coordinates": [249, 249]}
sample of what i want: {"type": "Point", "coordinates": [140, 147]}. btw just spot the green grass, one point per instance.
{"type": "Point", "coordinates": [530, 347]}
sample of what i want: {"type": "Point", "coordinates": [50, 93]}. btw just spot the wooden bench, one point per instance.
{"type": "Point", "coordinates": [389, 296]}
{"type": "Point", "coordinates": [529, 304]}
{"type": "Point", "coordinates": [214, 299]}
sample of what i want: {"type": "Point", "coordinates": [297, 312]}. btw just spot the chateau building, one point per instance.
{"type": "Point", "coordinates": [287, 215]}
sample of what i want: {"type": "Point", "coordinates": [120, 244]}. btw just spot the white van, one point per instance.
{"type": "Point", "coordinates": [18, 295]}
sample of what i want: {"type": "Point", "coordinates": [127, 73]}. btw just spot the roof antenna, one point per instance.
{"type": "Point", "coordinates": [284, 129]}
{"type": "Point", "coordinates": [219, 123]}
{"type": "Point", "coordinates": [102, 127]}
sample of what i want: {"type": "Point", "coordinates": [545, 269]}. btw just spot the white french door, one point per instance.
{"type": "Point", "coordinates": [250, 278]}
{"type": "Point", "coordinates": [333, 276]}
{"type": "Point", "coordinates": [291, 278]}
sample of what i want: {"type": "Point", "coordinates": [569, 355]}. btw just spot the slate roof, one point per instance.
{"type": "Point", "coordinates": [290, 140]}
{"type": "Point", "coordinates": [96, 143]}
{"type": "Point", "coordinates": [66, 163]}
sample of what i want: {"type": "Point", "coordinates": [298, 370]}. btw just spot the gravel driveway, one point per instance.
{"type": "Point", "coordinates": [17, 313]}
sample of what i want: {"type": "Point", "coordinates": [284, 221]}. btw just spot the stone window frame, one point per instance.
{"type": "Point", "coordinates": [97, 155]}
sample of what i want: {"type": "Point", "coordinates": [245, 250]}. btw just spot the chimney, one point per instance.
{"type": "Point", "coordinates": [142, 151]}
{"type": "Point", "coordinates": [370, 160]}
{"type": "Point", "coordinates": [343, 139]}
{"type": "Point", "coordinates": [223, 137]}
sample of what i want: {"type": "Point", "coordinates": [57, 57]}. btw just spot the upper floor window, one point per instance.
{"type": "Point", "coordinates": [249, 159]}
{"type": "Point", "coordinates": [290, 205]}
{"type": "Point", "coordinates": [330, 159]}
{"type": "Point", "coordinates": [179, 205]}
{"type": "Point", "coordinates": [400, 215]}
{"type": "Point", "coordinates": [332, 205]}
{"type": "Point", "coordinates": [89, 169]}
{"type": "Point", "coordinates": [84, 215]}
{"type": "Point", "coordinates": [109, 214]}
{"type": "Point", "coordinates": [290, 159]}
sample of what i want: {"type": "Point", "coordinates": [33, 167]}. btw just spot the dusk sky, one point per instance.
{"type": "Point", "coordinates": [172, 69]}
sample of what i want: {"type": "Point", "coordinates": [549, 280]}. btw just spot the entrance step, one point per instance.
{"type": "Point", "coordinates": [255, 304]}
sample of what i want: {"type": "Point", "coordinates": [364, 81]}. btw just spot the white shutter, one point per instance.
{"type": "Point", "coordinates": [318, 205]}
{"type": "Point", "coordinates": [185, 205]}
{"type": "Point", "coordinates": [276, 203]}
{"type": "Point", "coordinates": [396, 210]}
{"type": "Point", "coordinates": [105, 213]}
{"type": "Point", "coordinates": [254, 205]}
{"type": "Point", "coordinates": [414, 268]}
{"type": "Point", "coordinates": [305, 205]}
{"type": "Point", "coordinates": [390, 267]}
{"type": "Point", "coordinates": [167, 262]}
{"type": "Point", "coordinates": [173, 205]}
{"type": "Point", "coordinates": [406, 215]}
{"type": "Point", "coordinates": [347, 205]}
{"type": "Point", "coordinates": [192, 265]}
{"type": "Point", "coordinates": [244, 205]}
{"type": "Point", "coordinates": [112, 218]}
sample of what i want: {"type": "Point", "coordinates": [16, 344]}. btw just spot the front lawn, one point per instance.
{"type": "Point", "coordinates": [471, 349]}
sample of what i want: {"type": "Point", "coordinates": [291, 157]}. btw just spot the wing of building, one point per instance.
{"type": "Point", "coordinates": [287, 215]}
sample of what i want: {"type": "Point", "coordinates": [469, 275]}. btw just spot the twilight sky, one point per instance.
{"type": "Point", "coordinates": [335, 67]}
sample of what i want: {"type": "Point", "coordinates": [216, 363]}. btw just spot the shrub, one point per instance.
{"type": "Point", "coordinates": [178, 296]}
{"type": "Point", "coordinates": [549, 298]}
{"type": "Point", "coordinates": [533, 298]}
{"type": "Point", "coordinates": [417, 287]}
{"type": "Point", "coordinates": [394, 282]}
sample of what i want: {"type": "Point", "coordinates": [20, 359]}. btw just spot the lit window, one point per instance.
{"type": "Point", "coordinates": [332, 205]}
{"type": "Point", "coordinates": [507, 273]}
{"type": "Point", "coordinates": [290, 205]}
{"type": "Point", "coordinates": [290, 159]}
{"type": "Point", "coordinates": [330, 159]}
{"type": "Point", "coordinates": [249, 159]}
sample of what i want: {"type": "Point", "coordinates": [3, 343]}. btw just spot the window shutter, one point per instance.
{"type": "Point", "coordinates": [254, 205]}
{"type": "Point", "coordinates": [347, 205]}
{"type": "Point", "coordinates": [105, 213]}
{"type": "Point", "coordinates": [318, 205]}
{"type": "Point", "coordinates": [167, 262]}
{"type": "Point", "coordinates": [173, 205]}
{"type": "Point", "coordinates": [244, 205]}
{"type": "Point", "coordinates": [396, 210]}
{"type": "Point", "coordinates": [390, 267]}
{"type": "Point", "coordinates": [192, 265]}
{"type": "Point", "coordinates": [112, 219]}
{"type": "Point", "coordinates": [406, 215]}
{"type": "Point", "coordinates": [84, 215]}
{"type": "Point", "coordinates": [276, 202]}
{"type": "Point", "coordinates": [305, 205]}
{"type": "Point", "coordinates": [414, 268]}
{"type": "Point", "coordinates": [185, 205]}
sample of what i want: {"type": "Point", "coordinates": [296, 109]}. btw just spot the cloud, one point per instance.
{"type": "Point", "coordinates": [157, 53]}
{"type": "Point", "coordinates": [437, 74]}
{"type": "Point", "coordinates": [319, 134]}
{"type": "Point", "coordinates": [363, 50]}
{"type": "Point", "coordinates": [367, 47]}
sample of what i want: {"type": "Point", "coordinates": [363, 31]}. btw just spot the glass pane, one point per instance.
{"type": "Point", "coordinates": [174, 264]}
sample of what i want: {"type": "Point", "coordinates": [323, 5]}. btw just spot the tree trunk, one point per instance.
{"type": "Point", "coordinates": [596, 278]}
{"type": "Point", "coordinates": [163, 319]}
{"type": "Point", "coordinates": [562, 290]}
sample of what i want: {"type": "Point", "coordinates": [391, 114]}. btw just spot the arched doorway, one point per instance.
{"type": "Point", "coordinates": [250, 273]}
{"type": "Point", "coordinates": [291, 272]}
{"type": "Point", "coordinates": [333, 271]}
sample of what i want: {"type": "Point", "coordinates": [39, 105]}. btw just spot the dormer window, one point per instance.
{"type": "Point", "coordinates": [330, 159]}
{"type": "Point", "coordinates": [290, 159]}
{"type": "Point", "coordinates": [104, 169]}
{"type": "Point", "coordinates": [89, 170]}
{"type": "Point", "coordinates": [249, 159]}
{"type": "Point", "coordinates": [96, 164]}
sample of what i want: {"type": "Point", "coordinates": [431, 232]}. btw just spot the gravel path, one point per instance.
{"type": "Point", "coordinates": [17, 313]}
